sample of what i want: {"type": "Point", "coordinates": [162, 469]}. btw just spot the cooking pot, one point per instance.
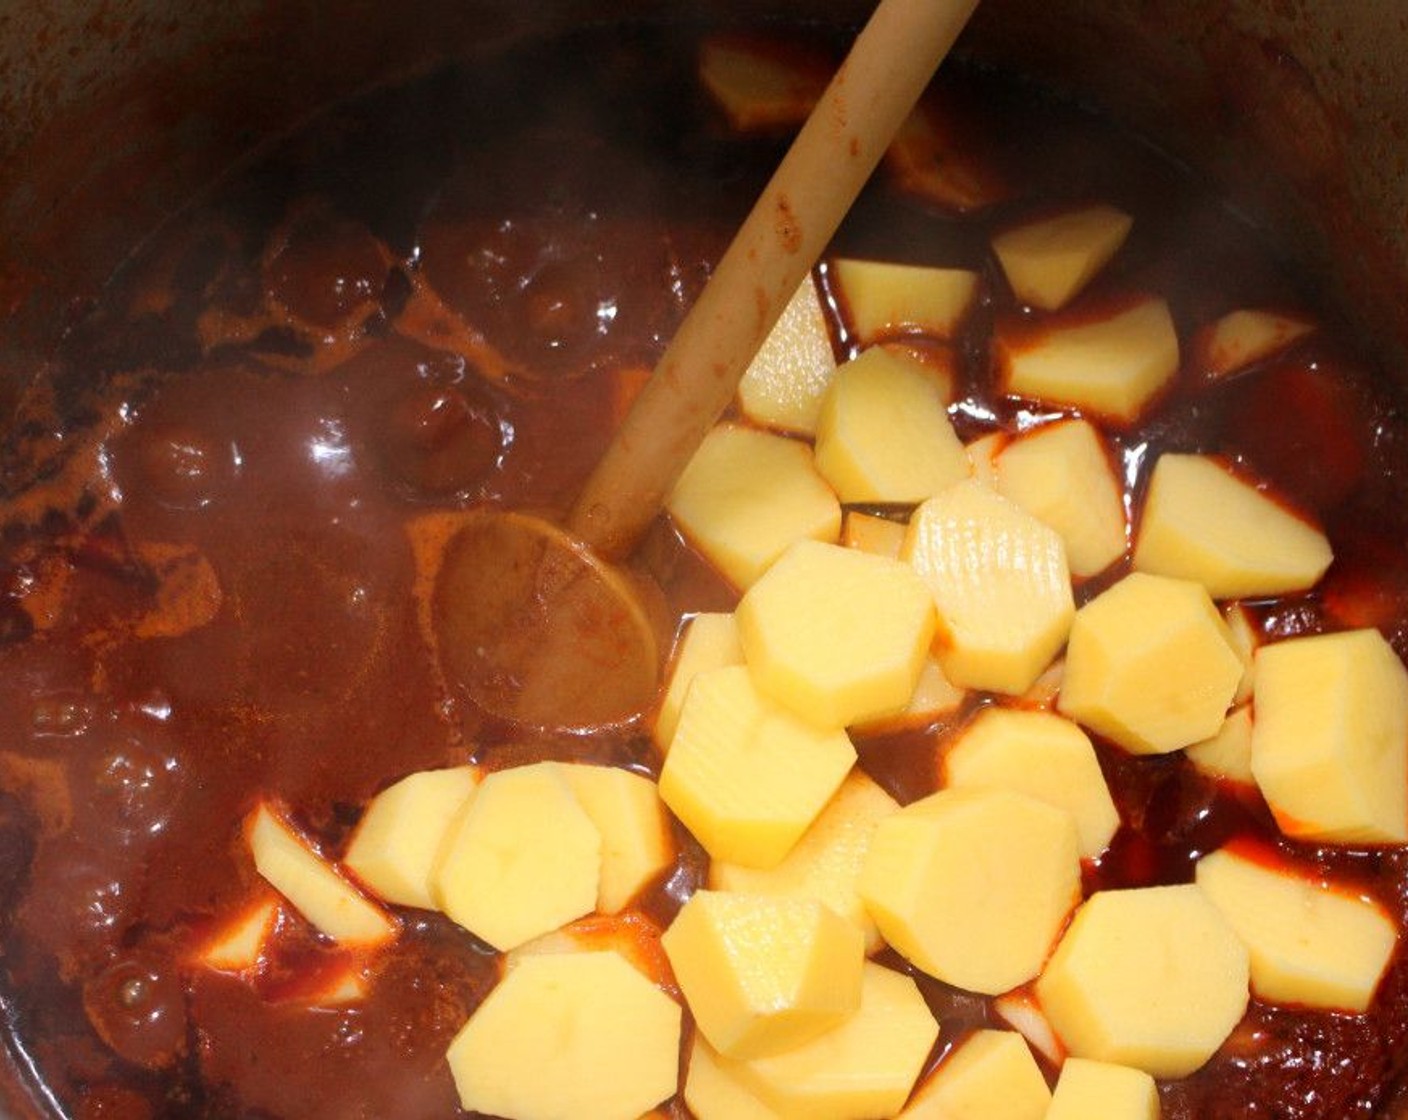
{"type": "Point", "coordinates": [113, 113]}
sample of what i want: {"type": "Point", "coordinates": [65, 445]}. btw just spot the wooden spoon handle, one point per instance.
{"type": "Point", "coordinates": [791, 224]}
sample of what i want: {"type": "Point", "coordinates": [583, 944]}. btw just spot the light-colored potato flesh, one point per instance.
{"type": "Point", "coordinates": [867, 1066]}
{"type": "Point", "coordinates": [928, 161]}
{"type": "Point", "coordinates": [972, 886]}
{"type": "Point", "coordinates": [934, 697]}
{"type": "Point", "coordinates": [884, 435]}
{"type": "Point", "coordinates": [1020, 1010]}
{"type": "Point", "coordinates": [762, 974]}
{"type": "Point", "coordinates": [398, 838]}
{"type": "Point", "coordinates": [1149, 665]}
{"type": "Point", "coordinates": [1330, 737]}
{"type": "Point", "coordinates": [744, 775]}
{"type": "Point", "coordinates": [1049, 261]}
{"type": "Point", "coordinates": [713, 1089]}
{"type": "Point", "coordinates": [982, 457]}
{"type": "Point", "coordinates": [1061, 474]}
{"type": "Point", "coordinates": [877, 535]}
{"type": "Point", "coordinates": [991, 1076]}
{"type": "Point", "coordinates": [1090, 1090]}
{"type": "Point", "coordinates": [312, 884]}
{"type": "Point", "coordinates": [1243, 338]}
{"type": "Point", "coordinates": [1245, 640]}
{"type": "Point", "coordinates": [1000, 582]}
{"type": "Point", "coordinates": [240, 945]}
{"type": "Point", "coordinates": [783, 385]}
{"type": "Point", "coordinates": [746, 495]}
{"type": "Point", "coordinates": [581, 1035]}
{"type": "Point", "coordinates": [1112, 367]}
{"type": "Point", "coordinates": [825, 863]}
{"type": "Point", "coordinates": [636, 844]}
{"type": "Point", "coordinates": [883, 300]}
{"type": "Point", "coordinates": [1227, 755]}
{"type": "Point", "coordinates": [710, 641]}
{"type": "Point", "coordinates": [759, 89]}
{"type": "Point", "coordinates": [835, 635]}
{"type": "Point", "coordinates": [522, 858]}
{"type": "Point", "coordinates": [1202, 522]}
{"type": "Point", "coordinates": [1043, 756]}
{"type": "Point", "coordinates": [1311, 944]}
{"type": "Point", "coordinates": [1153, 978]}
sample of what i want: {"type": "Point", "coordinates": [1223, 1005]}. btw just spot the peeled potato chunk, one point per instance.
{"type": "Point", "coordinates": [1149, 665]}
{"type": "Point", "coordinates": [1202, 522]}
{"type": "Point", "coordinates": [240, 944]}
{"type": "Point", "coordinates": [710, 641]}
{"type": "Point", "coordinates": [883, 434]}
{"type": "Point", "coordinates": [522, 858]}
{"type": "Point", "coordinates": [1245, 639]}
{"type": "Point", "coordinates": [972, 886]}
{"type": "Point", "coordinates": [1061, 474]}
{"type": "Point", "coordinates": [1088, 1089]}
{"type": "Point", "coordinates": [635, 835]}
{"type": "Point", "coordinates": [713, 1089]}
{"type": "Point", "coordinates": [867, 1066]}
{"type": "Point", "coordinates": [1112, 367]}
{"type": "Point", "coordinates": [312, 885]}
{"type": "Point", "coordinates": [884, 300]}
{"type": "Point", "coordinates": [1021, 1011]}
{"type": "Point", "coordinates": [764, 973]}
{"type": "Point", "coordinates": [1000, 582]}
{"type": "Point", "coordinates": [1228, 753]}
{"type": "Point", "coordinates": [747, 495]}
{"type": "Point", "coordinates": [991, 1075]}
{"type": "Point", "coordinates": [877, 535]}
{"type": "Point", "coordinates": [1330, 737]}
{"type": "Point", "coordinates": [928, 161]}
{"type": "Point", "coordinates": [836, 635]}
{"type": "Point", "coordinates": [934, 697]}
{"type": "Point", "coordinates": [825, 863]}
{"type": "Point", "coordinates": [1242, 338]}
{"type": "Point", "coordinates": [1310, 944]}
{"type": "Point", "coordinates": [745, 775]}
{"type": "Point", "coordinates": [1153, 978]}
{"type": "Point", "coordinates": [1043, 756]}
{"type": "Point", "coordinates": [760, 88]}
{"type": "Point", "coordinates": [1049, 261]}
{"type": "Point", "coordinates": [394, 848]}
{"type": "Point", "coordinates": [569, 1034]}
{"type": "Point", "coordinates": [783, 385]}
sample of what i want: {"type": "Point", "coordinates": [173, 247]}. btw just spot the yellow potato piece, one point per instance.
{"type": "Point", "coordinates": [312, 885]}
{"type": "Point", "coordinates": [522, 858]}
{"type": "Point", "coordinates": [934, 697]}
{"type": "Point", "coordinates": [1330, 737]}
{"type": "Point", "coordinates": [867, 1066]}
{"type": "Point", "coordinates": [825, 863]}
{"type": "Point", "coordinates": [836, 635]}
{"type": "Point", "coordinates": [783, 385]}
{"type": "Point", "coordinates": [883, 299]}
{"type": "Point", "coordinates": [927, 160]}
{"type": "Point", "coordinates": [1049, 261]}
{"type": "Point", "coordinates": [746, 495]}
{"type": "Point", "coordinates": [762, 974]}
{"type": "Point", "coordinates": [1228, 754]}
{"type": "Point", "coordinates": [972, 886]}
{"type": "Point", "coordinates": [1020, 1010]}
{"type": "Point", "coordinates": [1112, 367]}
{"type": "Point", "coordinates": [1000, 582]}
{"type": "Point", "coordinates": [868, 533]}
{"type": "Point", "coordinates": [710, 641]}
{"type": "Point", "coordinates": [347, 985]}
{"type": "Point", "coordinates": [1150, 665]}
{"type": "Point", "coordinates": [1311, 944]}
{"type": "Point", "coordinates": [1243, 338]}
{"type": "Point", "coordinates": [760, 89]}
{"type": "Point", "coordinates": [1062, 475]}
{"type": "Point", "coordinates": [581, 1035]}
{"type": "Point", "coordinates": [635, 835]}
{"type": "Point", "coordinates": [991, 1076]}
{"type": "Point", "coordinates": [394, 848]}
{"type": "Point", "coordinates": [744, 775]}
{"type": "Point", "coordinates": [1153, 978]}
{"type": "Point", "coordinates": [1088, 1089]}
{"type": "Point", "coordinates": [240, 945]}
{"type": "Point", "coordinates": [1245, 640]}
{"type": "Point", "coordinates": [1201, 522]}
{"type": "Point", "coordinates": [884, 435]}
{"type": "Point", "coordinates": [714, 1090]}
{"type": "Point", "coordinates": [1043, 756]}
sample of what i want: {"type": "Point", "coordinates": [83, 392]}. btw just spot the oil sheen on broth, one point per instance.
{"type": "Point", "coordinates": [220, 500]}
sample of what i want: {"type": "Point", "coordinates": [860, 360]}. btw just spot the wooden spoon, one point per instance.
{"type": "Point", "coordinates": [532, 619]}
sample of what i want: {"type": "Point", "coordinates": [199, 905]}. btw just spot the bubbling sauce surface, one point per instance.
{"type": "Point", "coordinates": [222, 507]}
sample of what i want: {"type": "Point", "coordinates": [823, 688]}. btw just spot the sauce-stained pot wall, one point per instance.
{"type": "Point", "coordinates": [114, 111]}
